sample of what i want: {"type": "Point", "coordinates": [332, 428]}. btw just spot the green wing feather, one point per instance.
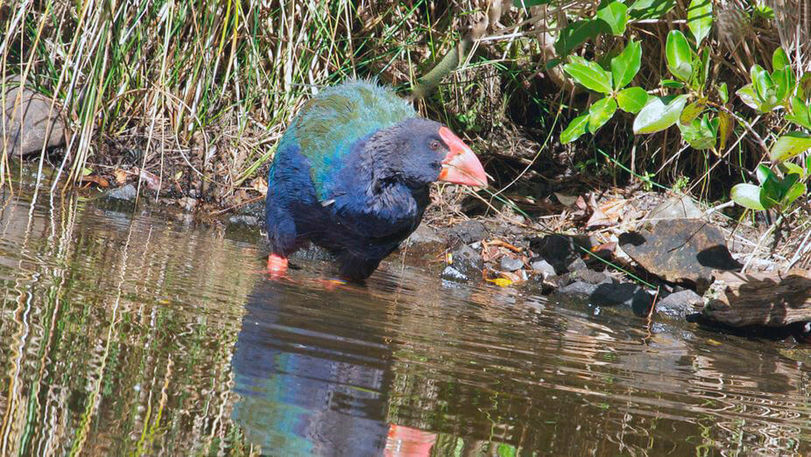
{"type": "Point", "coordinates": [331, 122]}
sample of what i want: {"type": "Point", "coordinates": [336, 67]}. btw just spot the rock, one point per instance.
{"type": "Point", "coordinates": [543, 267]}
{"type": "Point", "coordinates": [32, 114]}
{"type": "Point", "coordinates": [561, 251]}
{"type": "Point", "coordinates": [578, 265]}
{"type": "Point", "coordinates": [424, 235]}
{"type": "Point", "coordinates": [244, 219]}
{"type": "Point", "coordinates": [187, 203]}
{"type": "Point", "coordinates": [124, 193]}
{"type": "Point", "coordinates": [675, 208]}
{"type": "Point", "coordinates": [614, 294]}
{"type": "Point", "coordinates": [680, 304]}
{"type": "Point", "coordinates": [466, 264]}
{"type": "Point", "coordinates": [577, 288]}
{"type": "Point", "coordinates": [589, 276]}
{"type": "Point", "coordinates": [510, 263]}
{"type": "Point", "coordinates": [681, 251]}
{"type": "Point", "coordinates": [468, 231]}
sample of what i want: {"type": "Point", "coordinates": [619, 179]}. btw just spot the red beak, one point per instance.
{"type": "Point", "coordinates": [460, 165]}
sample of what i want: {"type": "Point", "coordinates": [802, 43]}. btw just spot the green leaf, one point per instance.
{"type": "Point", "coordinates": [650, 9]}
{"type": "Point", "coordinates": [748, 96]}
{"type": "Point", "coordinates": [692, 111]}
{"type": "Point", "coordinates": [659, 114]}
{"type": "Point", "coordinates": [699, 135]}
{"type": "Point", "coordinates": [764, 173]}
{"type": "Point", "coordinates": [626, 64]}
{"type": "Point", "coordinates": [699, 19]}
{"type": "Point", "coordinates": [790, 145]}
{"type": "Point", "coordinates": [679, 55]}
{"type": "Point", "coordinates": [632, 99]}
{"type": "Point", "coordinates": [790, 168]}
{"type": "Point", "coordinates": [575, 129]}
{"type": "Point", "coordinates": [672, 84]}
{"type": "Point", "coordinates": [780, 60]}
{"type": "Point", "coordinates": [589, 74]}
{"type": "Point", "coordinates": [783, 83]}
{"type": "Point", "coordinates": [764, 88]}
{"type": "Point", "coordinates": [577, 33]}
{"type": "Point", "coordinates": [793, 193]}
{"type": "Point", "coordinates": [801, 113]}
{"type": "Point", "coordinates": [615, 14]}
{"type": "Point", "coordinates": [747, 195]}
{"type": "Point", "coordinates": [804, 88]}
{"type": "Point", "coordinates": [723, 93]}
{"type": "Point", "coordinates": [600, 112]}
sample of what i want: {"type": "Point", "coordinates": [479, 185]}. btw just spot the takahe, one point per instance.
{"type": "Point", "coordinates": [351, 174]}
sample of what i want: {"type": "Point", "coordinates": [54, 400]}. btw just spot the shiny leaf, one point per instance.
{"type": "Point", "coordinates": [790, 145]}
{"type": "Point", "coordinates": [589, 74]}
{"type": "Point", "coordinates": [699, 19]}
{"type": "Point", "coordinates": [600, 112]}
{"type": "Point", "coordinates": [615, 14]}
{"type": "Point", "coordinates": [679, 55]}
{"type": "Point", "coordinates": [626, 64]}
{"type": "Point", "coordinates": [747, 195]}
{"type": "Point", "coordinates": [575, 129]}
{"type": "Point", "coordinates": [659, 114]}
{"type": "Point", "coordinates": [632, 99]}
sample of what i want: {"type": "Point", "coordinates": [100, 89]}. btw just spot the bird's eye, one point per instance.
{"type": "Point", "coordinates": [434, 145]}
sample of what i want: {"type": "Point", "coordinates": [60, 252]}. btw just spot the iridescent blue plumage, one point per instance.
{"type": "Point", "coordinates": [351, 174]}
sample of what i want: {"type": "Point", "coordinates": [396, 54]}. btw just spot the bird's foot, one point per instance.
{"type": "Point", "coordinates": [277, 265]}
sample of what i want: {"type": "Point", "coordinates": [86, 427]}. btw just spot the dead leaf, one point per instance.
{"type": "Point", "coordinates": [120, 176]}
{"type": "Point", "coordinates": [260, 185]}
{"type": "Point", "coordinates": [95, 179]}
{"type": "Point", "coordinates": [152, 181]}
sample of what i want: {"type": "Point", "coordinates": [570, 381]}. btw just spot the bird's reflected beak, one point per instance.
{"type": "Point", "coordinates": [460, 165]}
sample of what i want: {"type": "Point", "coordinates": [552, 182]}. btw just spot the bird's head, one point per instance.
{"type": "Point", "coordinates": [421, 151]}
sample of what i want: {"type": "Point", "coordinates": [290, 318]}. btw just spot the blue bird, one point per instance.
{"type": "Point", "coordinates": [352, 173]}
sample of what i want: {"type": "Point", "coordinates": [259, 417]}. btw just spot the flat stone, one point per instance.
{"type": "Point", "coordinates": [452, 274]}
{"type": "Point", "coordinates": [125, 193]}
{"type": "Point", "coordinates": [467, 261]}
{"type": "Point", "coordinates": [676, 207]}
{"type": "Point", "coordinates": [244, 219]}
{"type": "Point", "coordinates": [28, 121]}
{"type": "Point", "coordinates": [681, 251]}
{"type": "Point", "coordinates": [590, 276]}
{"type": "Point", "coordinates": [424, 234]}
{"type": "Point", "coordinates": [543, 267]}
{"type": "Point", "coordinates": [510, 263]}
{"type": "Point", "coordinates": [577, 288]}
{"type": "Point", "coordinates": [680, 304]}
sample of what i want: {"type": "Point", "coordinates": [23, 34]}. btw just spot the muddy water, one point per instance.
{"type": "Point", "coordinates": [143, 334]}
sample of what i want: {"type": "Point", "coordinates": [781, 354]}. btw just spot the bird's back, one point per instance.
{"type": "Point", "coordinates": [330, 123]}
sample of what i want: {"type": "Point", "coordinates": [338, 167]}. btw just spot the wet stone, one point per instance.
{"type": "Point", "coordinates": [680, 304]}
{"type": "Point", "coordinates": [510, 263]}
{"type": "Point", "coordinates": [424, 235]}
{"type": "Point", "coordinates": [123, 193]}
{"type": "Point", "coordinates": [467, 264]}
{"type": "Point", "coordinates": [543, 267]}
{"type": "Point", "coordinates": [34, 110]}
{"type": "Point", "coordinates": [244, 219]}
{"type": "Point", "coordinates": [590, 276]}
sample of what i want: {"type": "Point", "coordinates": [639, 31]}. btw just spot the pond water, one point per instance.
{"type": "Point", "coordinates": [130, 333]}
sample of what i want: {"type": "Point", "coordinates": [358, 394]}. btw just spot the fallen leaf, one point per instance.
{"type": "Point", "coordinates": [260, 185]}
{"type": "Point", "coordinates": [501, 282]}
{"type": "Point", "coordinates": [95, 179]}
{"type": "Point", "coordinates": [151, 180]}
{"type": "Point", "coordinates": [120, 176]}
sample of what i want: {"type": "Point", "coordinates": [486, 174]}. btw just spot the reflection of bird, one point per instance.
{"type": "Point", "coordinates": [351, 174]}
{"type": "Point", "coordinates": [309, 387]}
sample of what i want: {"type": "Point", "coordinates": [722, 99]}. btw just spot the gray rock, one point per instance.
{"type": "Point", "coordinates": [28, 121]}
{"type": "Point", "coordinates": [577, 289]}
{"type": "Point", "coordinates": [543, 267]}
{"type": "Point", "coordinates": [123, 193]}
{"type": "Point", "coordinates": [466, 262]}
{"type": "Point", "coordinates": [614, 294]}
{"type": "Point", "coordinates": [468, 231]}
{"type": "Point", "coordinates": [453, 274]}
{"type": "Point", "coordinates": [510, 263]}
{"type": "Point", "coordinates": [424, 235]}
{"type": "Point", "coordinates": [590, 276]}
{"type": "Point", "coordinates": [577, 265]}
{"type": "Point", "coordinates": [561, 251]}
{"type": "Point", "coordinates": [676, 208]}
{"type": "Point", "coordinates": [244, 219]}
{"type": "Point", "coordinates": [680, 304]}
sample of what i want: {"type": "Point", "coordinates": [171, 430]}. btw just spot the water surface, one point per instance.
{"type": "Point", "coordinates": [130, 333]}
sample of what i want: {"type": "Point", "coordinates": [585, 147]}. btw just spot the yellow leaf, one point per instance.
{"type": "Point", "coordinates": [501, 282]}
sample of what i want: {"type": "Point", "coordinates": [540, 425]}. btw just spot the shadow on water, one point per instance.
{"type": "Point", "coordinates": [144, 334]}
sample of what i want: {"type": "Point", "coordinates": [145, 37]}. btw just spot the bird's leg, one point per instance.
{"type": "Point", "coordinates": [277, 265]}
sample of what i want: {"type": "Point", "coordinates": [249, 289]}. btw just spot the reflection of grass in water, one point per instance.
{"type": "Point", "coordinates": [106, 367]}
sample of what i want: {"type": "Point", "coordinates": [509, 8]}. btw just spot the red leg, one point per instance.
{"type": "Point", "coordinates": [277, 265]}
